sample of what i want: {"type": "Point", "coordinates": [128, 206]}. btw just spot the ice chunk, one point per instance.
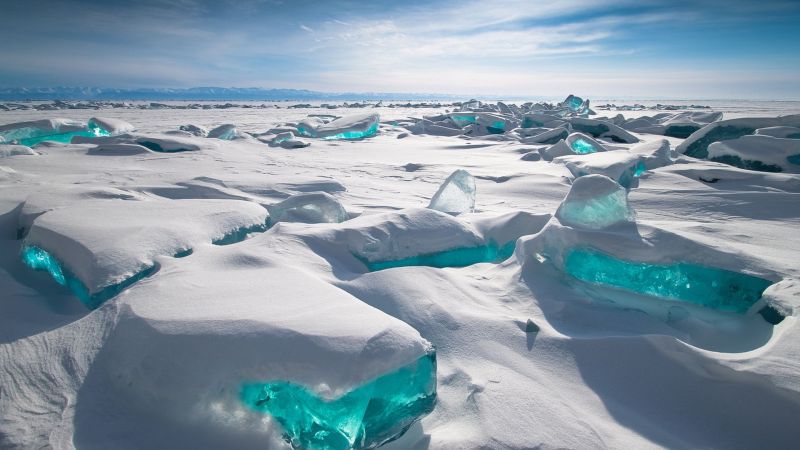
{"type": "Point", "coordinates": [366, 417]}
{"type": "Point", "coordinates": [718, 289]}
{"type": "Point", "coordinates": [621, 166]}
{"type": "Point", "coordinates": [463, 119]}
{"type": "Point", "coordinates": [109, 149]}
{"type": "Point", "coordinates": [780, 132]}
{"type": "Point", "coordinates": [595, 202]}
{"type": "Point", "coordinates": [287, 140]}
{"type": "Point", "coordinates": [575, 104]}
{"type": "Point", "coordinates": [102, 126]}
{"type": "Point", "coordinates": [357, 126]}
{"type": "Point", "coordinates": [456, 195]}
{"type": "Point", "coordinates": [13, 150]}
{"type": "Point", "coordinates": [602, 129]}
{"type": "Point", "coordinates": [758, 152]}
{"type": "Point", "coordinates": [574, 144]}
{"type": "Point", "coordinates": [195, 130]}
{"type": "Point", "coordinates": [226, 132]}
{"type": "Point", "coordinates": [171, 144]}
{"type": "Point", "coordinates": [679, 125]}
{"type": "Point", "coordinates": [31, 133]}
{"type": "Point", "coordinates": [655, 153]}
{"type": "Point", "coordinates": [539, 120]}
{"type": "Point", "coordinates": [697, 144]}
{"type": "Point", "coordinates": [312, 207]}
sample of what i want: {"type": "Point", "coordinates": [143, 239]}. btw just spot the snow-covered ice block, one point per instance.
{"type": "Point", "coordinates": [550, 137]}
{"type": "Point", "coordinates": [574, 144]}
{"type": "Point", "coordinates": [697, 144]}
{"type": "Point", "coordinates": [168, 144]}
{"type": "Point", "coordinates": [226, 132]}
{"type": "Point", "coordinates": [195, 130]}
{"type": "Point", "coordinates": [539, 120]}
{"type": "Point", "coordinates": [14, 150]}
{"type": "Point", "coordinates": [287, 140]}
{"type": "Point", "coordinates": [33, 132]}
{"type": "Point", "coordinates": [602, 129]}
{"type": "Point", "coordinates": [575, 104]}
{"type": "Point", "coordinates": [356, 126]}
{"type": "Point", "coordinates": [103, 243]}
{"type": "Point", "coordinates": [109, 149]}
{"type": "Point", "coordinates": [758, 152]}
{"type": "Point", "coordinates": [622, 166]}
{"type": "Point", "coordinates": [456, 195]}
{"type": "Point", "coordinates": [655, 153]}
{"type": "Point", "coordinates": [679, 125]}
{"type": "Point", "coordinates": [595, 202]}
{"type": "Point", "coordinates": [780, 132]}
{"type": "Point", "coordinates": [103, 126]}
{"type": "Point", "coordinates": [312, 207]}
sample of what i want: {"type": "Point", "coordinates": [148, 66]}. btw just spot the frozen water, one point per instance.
{"type": "Point", "coordinates": [718, 289]}
{"type": "Point", "coordinates": [357, 126]}
{"type": "Point", "coordinates": [195, 130]}
{"type": "Point", "coordinates": [312, 207]}
{"type": "Point", "coordinates": [460, 257]}
{"type": "Point", "coordinates": [757, 152]}
{"type": "Point", "coordinates": [456, 195]}
{"type": "Point", "coordinates": [581, 144]}
{"type": "Point", "coordinates": [595, 202]}
{"type": "Point", "coordinates": [366, 417]}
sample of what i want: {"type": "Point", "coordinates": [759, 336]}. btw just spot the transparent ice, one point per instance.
{"type": "Point", "coordinates": [456, 195]}
{"type": "Point", "coordinates": [595, 202]}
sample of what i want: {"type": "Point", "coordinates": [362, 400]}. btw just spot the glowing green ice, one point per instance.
{"type": "Point", "coordinates": [240, 234]}
{"type": "Point", "coordinates": [497, 127]}
{"type": "Point", "coordinates": [718, 289]}
{"type": "Point", "coordinates": [39, 259]}
{"type": "Point", "coordinates": [463, 120]}
{"type": "Point", "coordinates": [30, 136]}
{"type": "Point", "coordinates": [459, 257]}
{"type": "Point", "coordinates": [597, 212]}
{"type": "Point", "coordinates": [582, 146]}
{"type": "Point", "coordinates": [575, 103]}
{"type": "Point", "coordinates": [366, 417]}
{"type": "Point", "coordinates": [371, 131]}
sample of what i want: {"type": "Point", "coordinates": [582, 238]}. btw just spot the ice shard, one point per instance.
{"type": "Point", "coordinates": [366, 417]}
{"type": "Point", "coordinates": [226, 132]}
{"type": "Point", "coordinates": [623, 167]}
{"type": "Point", "coordinates": [595, 202]}
{"type": "Point", "coordinates": [456, 195]}
{"type": "Point", "coordinates": [357, 126]}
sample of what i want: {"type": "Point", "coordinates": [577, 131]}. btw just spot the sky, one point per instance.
{"type": "Point", "coordinates": [680, 49]}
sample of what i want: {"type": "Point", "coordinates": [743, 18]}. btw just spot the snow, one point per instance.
{"type": "Point", "coordinates": [758, 152]}
{"type": "Point", "coordinates": [621, 166]}
{"type": "Point", "coordinates": [530, 351]}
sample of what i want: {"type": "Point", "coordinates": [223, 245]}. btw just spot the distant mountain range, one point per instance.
{"type": "Point", "coordinates": [202, 93]}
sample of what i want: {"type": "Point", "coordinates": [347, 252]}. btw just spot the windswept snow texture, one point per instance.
{"type": "Point", "coordinates": [405, 275]}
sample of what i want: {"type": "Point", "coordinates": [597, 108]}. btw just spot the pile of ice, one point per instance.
{"type": "Point", "coordinates": [357, 126]}
{"type": "Point", "coordinates": [763, 144]}
{"type": "Point", "coordinates": [60, 130]}
{"type": "Point", "coordinates": [679, 125]}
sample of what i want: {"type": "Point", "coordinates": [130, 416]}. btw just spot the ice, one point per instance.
{"type": "Point", "coordinates": [595, 202]}
{"type": "Point", "coordinates": [679, 125]}
{"type": "Point", "coordinates": [780, 132]}
{"type": "Point", "coordinates": [60, 130]}
{"type": "Point", "coordinates": [460, 257]}
{"type": "Point", "coordinates": [312, 207]}
{"type": "Point", "coordinates": [602, 129]}
{"type": "Point", "coordinates": [622, 166]}
{"type": "Point", "coordinates": [581, 144]}
{"type": "Point", "coordinates": [226, 132]}
{"type": "Point", "coordinates": [287, 140]}
{"type": "Point", "coordinates": [697, 144]}
{"type": "Point", "coordinates": [195, 130]}
{"type": "Point", "coordinates": [357, 126]}
{"type": "Point", "coordinates": [104, 126]}
{"type": "Point", "coordinates": [713, 288]}
{"type": "Point", "coordinates": [168, 144]}
{"type": "Point", "coordinates": [366, 417]}
{"type": "Point", "coordinates": [456, 195]}
{"type": "Point", "coordinates": [575, 104]}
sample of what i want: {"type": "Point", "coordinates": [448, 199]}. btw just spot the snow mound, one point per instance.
{"type": "Point", "coordinates": [14, 150]}
{"type": "Point", "coordinates": [195, 130]}
{"type": "Point", "coordinates": [357, 126]}
{"type": "Point", "coordinates": [109, 149]}
{"type": "Point", "coordinates": [654, 153]}
{"type": "Point", "coordinates": [696, 145]}
{"type": "Point", "coordinates": [104, 126]}
{"type": "Point", "coordinates": [679, 125]}
{"type": "Point", "coordinates": [225, 132]}
{"type": "Point", "coordinates": [602, 129]}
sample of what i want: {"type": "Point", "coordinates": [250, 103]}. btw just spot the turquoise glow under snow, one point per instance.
{"type": "Point", "coordinates": [240, 234]}
{"type": "Point", "coordinates": [39, 259]}
{"type": "Point", "coordinates": [497, 127]}
{"type": "Point", "coordinates": [366, 417]}
{"type": "Point", "coordinates": [29, 136]}
{"type": "Point", "coordinates": [371, 131]}
{"type": "Point", "coordinates": [582, 146]}
{"type": "Point", "coordinates": [463, 119]}
{"type": "Point", "coordinates": [713, 288]}
{"type": "Point", "coordinates": [459, 257]}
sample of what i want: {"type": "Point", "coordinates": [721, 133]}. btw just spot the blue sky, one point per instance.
{"type": "Point", "coordinates": [514, 48]}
